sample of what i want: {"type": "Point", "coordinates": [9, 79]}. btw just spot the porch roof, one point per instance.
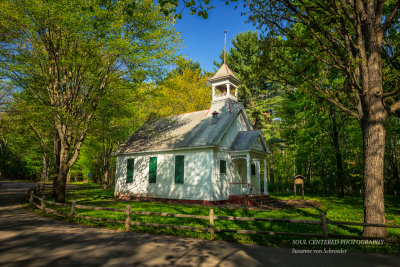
{"type": "Point", "coordinates": [245, 141]}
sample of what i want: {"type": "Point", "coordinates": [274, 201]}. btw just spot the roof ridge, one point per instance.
{"type": "Point", "coordinates": [226, 67]}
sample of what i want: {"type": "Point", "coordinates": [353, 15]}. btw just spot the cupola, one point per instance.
{"type": "Point", "coordinates": [224, 83]}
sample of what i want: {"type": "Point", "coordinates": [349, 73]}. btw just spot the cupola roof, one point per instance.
{"type": "Point", "coordinates": [222, 73]}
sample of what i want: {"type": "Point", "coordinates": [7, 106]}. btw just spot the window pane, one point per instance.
{"type": "Point", "coordinates": [222, 166]}
{"type": "Point", "coordinates": [253, 169]}
{"type": "Point", "coordinates": [129, 171]}
{"type": "Point", "coordinates": [179, 169]}
{"type": "Point", "coordinates": [153, 170]}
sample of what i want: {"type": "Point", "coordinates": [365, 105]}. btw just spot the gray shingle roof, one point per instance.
{"type": "Point", "coordinates": [244, 140]}
{"type": "Point", "coordinates": [181, 131]}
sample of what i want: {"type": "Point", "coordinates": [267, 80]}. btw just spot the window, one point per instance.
{"type": "Point", "coordinates": [253, 169]}
{"type": "Point", "coordinates": [222, 166]}
{"type": "Point", "coordinates": [129, 171]}
{"type": "Point", "coordinates": [179, 169]}
{"type": "Point", "coordinates": [153, 170]}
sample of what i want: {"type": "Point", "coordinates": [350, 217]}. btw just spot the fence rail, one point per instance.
{"type": "Point", "coordinates": [211, 217]}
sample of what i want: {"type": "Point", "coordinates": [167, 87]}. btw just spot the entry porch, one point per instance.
{"type": "Point", "coordinates": [246, 174]}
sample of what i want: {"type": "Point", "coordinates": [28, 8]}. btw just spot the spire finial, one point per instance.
{"type": "Point", "coordinates": [225, 48]}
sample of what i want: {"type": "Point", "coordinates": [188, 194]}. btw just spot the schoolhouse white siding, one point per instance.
{"type": "Point", "coordinates": [197, 183]}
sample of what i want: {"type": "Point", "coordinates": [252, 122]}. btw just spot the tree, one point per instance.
{"type": "Point", "coordinates": [349, 37]}
{"type": "Point", "coordinates": [121, 112]}
{"type": "Point", "coordinates": [68, 55]}
{"type": "Point", "coordinates": [185, 89]}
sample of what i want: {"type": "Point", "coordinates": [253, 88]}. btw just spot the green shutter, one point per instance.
{"type": "Point", "coordinates": [129, 171]}
{"type": "Point", "coordinates": [222, 166]}
{"type": "Point", "coordinates": [253, 169]}
{"type": "Point", "coordinates": [179, 169]}
{"type": "Point", "coordinates": [153, 170]}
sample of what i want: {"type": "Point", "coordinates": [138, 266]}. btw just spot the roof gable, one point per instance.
{"type": "Point", "coordinates": [259, 145]}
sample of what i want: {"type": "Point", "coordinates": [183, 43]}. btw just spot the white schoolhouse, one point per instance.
{"type": "Point", "coordinates": [207, 156]}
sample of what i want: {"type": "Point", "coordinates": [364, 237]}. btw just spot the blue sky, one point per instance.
{"type": "Point", "coordinates": [203, 39]}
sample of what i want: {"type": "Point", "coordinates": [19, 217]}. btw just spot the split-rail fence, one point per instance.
{"type": "Point", "coordinates": [34, 193]}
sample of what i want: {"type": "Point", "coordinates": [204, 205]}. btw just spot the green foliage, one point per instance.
{"type": "Point", "coordinates": [184, 89]}
{"type": "Point", "coordinates": [306, 125]}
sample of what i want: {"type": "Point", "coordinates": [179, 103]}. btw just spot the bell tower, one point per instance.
{"type": "Point", "coordinates": [224, 83]}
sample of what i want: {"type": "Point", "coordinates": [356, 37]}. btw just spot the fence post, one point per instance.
{"type": "Point", "coordinates": [43, 204]}
{"type": "Point", "coordinates": [73, 203]}
{"type": "Point", "coordinates": [324, 226]}
{"type": "Point", "coordinates": [212, 223]}
{"type": "Point", "coordinates": [128, 218]}
{"type": "Point", "coordinates": [31, 199]}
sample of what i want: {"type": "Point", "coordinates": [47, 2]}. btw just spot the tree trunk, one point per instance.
{"type": "Point", "coordinates": [63, 169]}
{"type": "Point", "coordinates": [106, 169]}
{"type": "Point", "coordinates": [346, 147]}
{"type": "Point", "coordinates": [309, 169]}
{"type": "Point", "coordinates": [373, 131]}
{"type": "Point", "coordinates": [44, 167]}
{"type": "Point", "coordinates": [271, 165]}
{"type": "Point", "coordinates": [61, 181]}
{"type": "Point", "coordinates": [321, 152]}
{"type": "Point", "coordinates": [69, 176]}
{"type": "Point", "coordinates": [57, 146]}
{"type": "Point", "coordinates": [373, 128]}
{"type": "Point", "coordinates": [335, 139]}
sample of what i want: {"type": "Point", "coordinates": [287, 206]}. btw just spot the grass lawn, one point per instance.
{"type": "Point", "coordinates": [349, 208]}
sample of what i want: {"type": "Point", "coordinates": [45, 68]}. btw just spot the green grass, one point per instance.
{"type": "Point", "coordinates": [349, 208]}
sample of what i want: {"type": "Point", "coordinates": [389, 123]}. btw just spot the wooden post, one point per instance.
{"type": "Point", "coordinates": [73, 203]}
{"type": "Point", "coordinates": [128, 218]}
{"type": "Point", "coordinates": [294, 189]}
{"type": "Point", "coordinates": [43, 204]}
{"type": "Point", "coordinates": [302, 190]}
{"type": "Point", "coordinates": [324, 226]}
{"type": "Point", "coordinates": [212, 223]}
{"type": "Point", "coordinates": [31, 199]}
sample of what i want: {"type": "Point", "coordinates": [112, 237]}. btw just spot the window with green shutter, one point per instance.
{"type": "Point", "coordinates": [153, 170]}
{"type": "Point", "coordinates": [253, 169]}
{"type": "Point", "coordinates": [129, 170]}
{"type": "Point", "coordinates": [179, 169]}
{"type": "Point", "coordinates": [222, 166]}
